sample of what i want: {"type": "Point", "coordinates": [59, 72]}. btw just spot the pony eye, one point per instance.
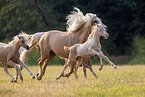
{"type": "Point", "coordinates": [22, 41]}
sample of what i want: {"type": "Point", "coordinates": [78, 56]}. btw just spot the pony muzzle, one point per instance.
{"type": "Point", "coordinates": [106, 36]}
{"type": "Point", "coordinates": [27, 47]}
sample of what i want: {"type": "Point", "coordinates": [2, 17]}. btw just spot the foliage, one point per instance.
{"type": "Point", "coordinates": [124, 19]}
{"type": "Point", "coordinates": [138, 51]}
{"type": "Point", "coordinates": [126, 81]}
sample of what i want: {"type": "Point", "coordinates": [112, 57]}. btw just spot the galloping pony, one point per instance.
{"type": "Point", "coordinates": [32, 41]}
{"type": "Point", "coordinates": [52, 42]}
{"type": "Point", "coordinates": [90, 48]}
{"type": "Point", "coordinates": [9, 54]}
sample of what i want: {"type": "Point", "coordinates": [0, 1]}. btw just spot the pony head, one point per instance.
{"type": "Point", "coordinates": [102, 30]}
{"type": "Point", "coordinates": [94, 18]}
{"type": "Point", "coordinates": [23, 42]}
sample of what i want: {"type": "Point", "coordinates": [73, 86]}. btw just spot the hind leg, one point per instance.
{"type": "Point", "coordinates": [89, 65]}
{"type": "Point", "coordinates": [79, 61]}
{"type": "Point", "coordinates": [18, 70]}
{"type": "Point", "coordinates": [72, 64]}
{"type": "Point", "coordinates": [84, 67]}
{"type": "Point", "coordinates": [47, 61]}
{"type": "Point", "coordinates": [6, 70]}
{"type": "Point", "coordinates": [45, 64]}
{"type": "Point", "coordinates": [62, 72]}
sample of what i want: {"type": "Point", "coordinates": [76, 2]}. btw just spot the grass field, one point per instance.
{"type": "Point", "coordinates": [126, 81]}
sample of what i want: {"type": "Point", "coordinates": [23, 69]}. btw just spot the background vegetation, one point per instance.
{"type": "Point", "coordinates": [124, 19]}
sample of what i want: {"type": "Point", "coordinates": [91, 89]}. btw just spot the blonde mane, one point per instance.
{"type": "Point", "coordinates": [76, 19]}
{"type": "Point", "coordinates": [94, 28]}
{"type": "Point", "coordinates": [13, 41]}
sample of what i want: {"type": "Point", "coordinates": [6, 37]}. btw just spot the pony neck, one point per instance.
{"type": "Point", "coordinates": [84, 31]}
{"type": "Point", "coordinates": [96, 37]}
{"type": "Point", "coordinates": [15, 45]}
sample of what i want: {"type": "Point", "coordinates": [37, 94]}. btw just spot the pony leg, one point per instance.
{"type": "Point", "coordinates": [25, 66]}
{"type": "Point", "coordinates": [91, 69]}
{"type": "Point", "coordinates": [76, 69]}
{"type": "Point", "coordinates": [47, 61]}
{"type": "Point", "coordinates": [89, 65]}
{"type": "Point", "coordinates": [43, 68]}
{"type": "Point", "coordinates": [84, 68]}
{"type": "Point", "coordinates": [62, 72]}
{"type": "Point", "coordinates": [101, 64]}
{"type": "Point", "coordinates": [6, 70]}
{"type": "Point", "coordinates": [71, 63]}
{"type": "Point", "coordinates": [100, 54]}
{"type": "Point", "coordinates": [18, 70]}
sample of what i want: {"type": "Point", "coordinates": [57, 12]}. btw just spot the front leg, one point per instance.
{"type": "Point", "coordinates": [106, 59]}
{"type": "Point", "coordinates": [100, 54]}
{"type": "Point", "coordinates": [25, 66]}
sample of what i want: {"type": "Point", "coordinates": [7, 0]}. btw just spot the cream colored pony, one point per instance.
{"type": "Point", "coordinates": [32, 41]}
{"type": "Point", "coordinates": [9, 54]}
{"type": "Point", "coordinates": [52, 42]}
{"type": "Point", "coordinates": [90, 48]}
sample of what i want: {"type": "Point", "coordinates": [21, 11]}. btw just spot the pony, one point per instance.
{"type": "Point", "coordinates": [32, 41]}
{"type": "Point", "coordinates": [9, 54]}
{"type": "Point", "coordinates": [52, 42]}
{"type": "Point", "coordinates": [90, 48]}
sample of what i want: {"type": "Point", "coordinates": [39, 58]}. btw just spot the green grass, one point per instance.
{"type": "Point", "coordinates": [126, 81]}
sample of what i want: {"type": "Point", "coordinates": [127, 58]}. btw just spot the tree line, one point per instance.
{"type": "Point", "coordinates": [124, 19]}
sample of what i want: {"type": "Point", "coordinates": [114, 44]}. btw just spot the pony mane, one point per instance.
{"type": "Point", "coordinates": [75, 20]}
{"type": "Point", "coordinates": [13, 41]}
{"type": "Point", "coordinates": [94, 28]}
{"type": "Point", "coordinates": [27, 36]}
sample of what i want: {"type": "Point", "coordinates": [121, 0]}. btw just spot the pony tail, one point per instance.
{"type": "Point", "coordinates": [67, 49]}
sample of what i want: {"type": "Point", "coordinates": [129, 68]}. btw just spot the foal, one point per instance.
{"type": "Point", "coordinates": [90, 48]}
{"type": "Point", "coordinates": [9, 54]}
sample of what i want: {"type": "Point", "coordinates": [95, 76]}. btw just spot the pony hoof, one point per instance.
{"type": "Point", "coordinates": [37, 74]}
{"type": "Point", "coordinates": [57, 78]}
{"type": "Point", "coordinates": [100, 69]}
{"type": "Point", "coordinates": [39, 78]}
{"type": "Point", "coordinates": [33, 77]}
{"type": "Point", "coordinates": [21, 78]}
{"type": "Point", "coordinates": [13, 81]}
{"type": "Point", "coordinates": [115, 67]}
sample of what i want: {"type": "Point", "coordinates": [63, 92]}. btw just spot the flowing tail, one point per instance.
{"type": "Point", "coordinates": [67, 49]}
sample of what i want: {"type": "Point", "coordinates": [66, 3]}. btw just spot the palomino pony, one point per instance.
{"type": "Point", "coordinates": [9, 54]}
{"type": "Point", "coordinates": [90, 48]}
{"type": "Point", "coordinates": [52, 42]}
{"type": "Point", "coordinates": [32, 41]}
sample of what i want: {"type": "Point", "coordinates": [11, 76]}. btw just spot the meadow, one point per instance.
{"type": "Point", "coordinates": [126, 81]}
